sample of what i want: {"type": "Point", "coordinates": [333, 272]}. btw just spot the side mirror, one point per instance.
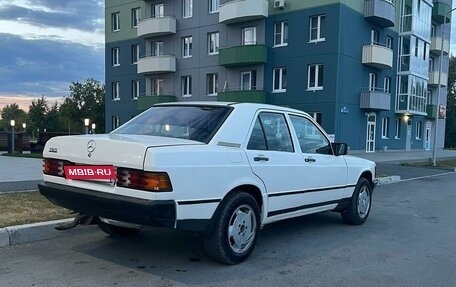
{"type": "Point", "coordinates": [340, 148]}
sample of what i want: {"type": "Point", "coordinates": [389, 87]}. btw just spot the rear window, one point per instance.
{"type": "Point", "coordinates": [197, 123]}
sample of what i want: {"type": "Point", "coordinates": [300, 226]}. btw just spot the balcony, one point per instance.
{"type": "Point", "coordinates": [380, 12]}
{"type": "Point", "coordinates": [154, 27]}
{"type": "Point", "coordinates": [440, 12]}
{"type": "Point", "coordinates": [436, 45]}
{"type": "Point", "coordinates": [376, 100]}
{"type": "Point", "coordinates": [157, 65]}
{"type": "Point", "coordinates": [377, 56]}
{"type": "Point", "coordinates": [431, 111]}
{"type": "Point", "coordinates": [434, 79]}
{"type": "Point", "coordinates": [247, 96]}
{"type": "Point", "coordinates": [146, 101]}
{"type": "Point", "coordinates": [243, 10]}
{"type": "Point", "coordinates": [243, 55]}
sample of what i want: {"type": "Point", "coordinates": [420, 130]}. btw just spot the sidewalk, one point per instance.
{"type": "Point", "coordinates": [17, 174]}
{"type": "Point", "coordinates": [399, 156]}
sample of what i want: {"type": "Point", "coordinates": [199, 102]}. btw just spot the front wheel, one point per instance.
{"type": "Point", "coordinates": [117, 231]}
{"type": "Point", "coordinates": [360, 204]}
{"type": "Point", "coordinates": [236, 229]}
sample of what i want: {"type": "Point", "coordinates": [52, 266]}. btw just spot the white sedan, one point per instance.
{"type": "Point", "coordinates": [222, 169]}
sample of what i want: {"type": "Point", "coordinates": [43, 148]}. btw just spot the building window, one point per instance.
{"type": "Point", "coordinates": [431, 64]}
{"type": "Point", "coordinates": [115, 20]}
{"type": "Point", "coordinates": [187, 8]}
{"type": "Point", "coordinates": [158, 10]}
{"type": "Point", "coordinates": [187, 47]}
{"type": "Point", "coordinates": [398, 129]}
{"type": "Point", "coordinates": [248, 80]}
{"type": "Point", "coordinates": [211, 84]}
{"type": "Point", "coordinates": [387, 85]}
{"type": "Point", "coordinates": [115, 57]}
{"type": "Point", "coordinates": [418, 130]}
{"type": "Point", "coordinates": [186, 86]}
{"type": "Point", "coordinates": [134, 90]}
{"type": "Point", "coordinates": [317, 28]}
{"type": "Point", "coordinates": [317, 116]}
{"type": "Point", "coordinates": [385, 124]}
{"type": "Point", "coordinates": [214, 6]}
{"type": "Point", "coordinates": [115, 91]}
{"type": "Point", "coordinates": [249, 36]}
{"type": "Point", "coordinates": [279, 80]}
{"type": "Point", "coordinates": [135, 17]}
{"type": "Point", "coordinates": [374, 37]}
{"type": "Point", "coordinates": [281, 34]}
{"type": "Point", "coordinates": [372, 82]}
{"type": "Point", "coordinates": [389, 42]}
{"type": "Point", "coordinates": [213, 43]}
{"type": "Point", "coordinates": [157, 48]}
{"type": "Point", "coordinates": [134, 53]}
{"type": "Point", "coordinates": [115, 122]}
{"type": "Point", "coordinates": [157, 87]}
{"type": "Point", "coordinates": [315, 77]}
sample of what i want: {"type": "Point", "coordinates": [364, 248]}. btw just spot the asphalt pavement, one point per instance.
{"type": "Point", "coordinates": [408, 240]}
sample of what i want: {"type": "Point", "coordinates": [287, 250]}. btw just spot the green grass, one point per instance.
{"type": "Point", "coordinates": [28, 207]}
{"type": "Point", "coordinates": [26, 155]}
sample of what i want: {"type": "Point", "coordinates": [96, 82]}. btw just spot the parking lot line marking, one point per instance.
{"type": "Point", "coordinates": [426, 176]}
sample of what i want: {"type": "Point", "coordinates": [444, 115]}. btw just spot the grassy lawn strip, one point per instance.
{"type": "Point", "coordinates": [440, 163]}
{"type": "Point", "coordinates": [28, 207]}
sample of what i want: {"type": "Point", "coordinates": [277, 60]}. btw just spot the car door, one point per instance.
{"type": "Point", "coordinates": [274, 159]}
{"type": "Point", "coordinates": [325, 174]}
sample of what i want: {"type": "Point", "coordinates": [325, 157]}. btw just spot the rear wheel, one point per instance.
{"type": "Point", "coordinates": [236, 229]}
{"type": "Point", "coordinates": [117, 231]}
{"type": "Point", "coordinates": [360, 204]}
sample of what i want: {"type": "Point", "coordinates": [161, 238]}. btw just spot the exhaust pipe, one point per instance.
{"type": "Point", "coordinates": [79, 219]}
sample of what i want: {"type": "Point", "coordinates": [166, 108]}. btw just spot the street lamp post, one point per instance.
{"type": "Point", "coordinates": [439, 86]}
{"type": "Point", "coordinates": [86, 124]}
{"type": "Point", "coordinates": [93, 128]}
{"type": "Point", "coordinates": [13, 123]}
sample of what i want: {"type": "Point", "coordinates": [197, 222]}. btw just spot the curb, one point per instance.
{"type": "Point", "coordinates": [388, 179]}
{"type": "Point", "coordinates": [20, 234]}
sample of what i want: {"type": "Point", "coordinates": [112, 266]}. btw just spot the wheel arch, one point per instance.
{"type": "Point", "coordinates": [368, 175]}
{"type": "Point", "coordinates": [251, 189]}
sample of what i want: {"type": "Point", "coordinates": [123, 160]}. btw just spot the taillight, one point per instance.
{"type": "Point", "coordinates": [55, 166]}
{"type": "Point", "coordinates": [143, 180]}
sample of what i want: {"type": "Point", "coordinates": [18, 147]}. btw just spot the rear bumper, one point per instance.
{"type": "Point", "coordinates": [128, 209]}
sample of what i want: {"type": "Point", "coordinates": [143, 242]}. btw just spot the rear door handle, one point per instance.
{"type": "Point", "coordinates": [309, 159]}
{"type": "Point", "coordinates": [260, 158]}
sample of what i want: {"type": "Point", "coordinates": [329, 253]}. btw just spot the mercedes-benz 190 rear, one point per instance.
{"type": "Point", "coordinates": [131, 194]}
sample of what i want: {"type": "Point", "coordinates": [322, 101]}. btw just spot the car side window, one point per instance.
{"type": "Point", "coordinates": [271, 132]}
{"type": "Point", "coordinates": [310, 138]}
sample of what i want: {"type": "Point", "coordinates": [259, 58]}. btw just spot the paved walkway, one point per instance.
{"type": "Point", "coordinates": [25, 173]}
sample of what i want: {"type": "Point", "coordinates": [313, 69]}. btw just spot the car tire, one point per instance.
{"type": "Point", "coordinates": [117, 231]}
{"type": "Point", "coordinates": [235, 229]}
{"type": "Point", "coordinates": [360, 204]}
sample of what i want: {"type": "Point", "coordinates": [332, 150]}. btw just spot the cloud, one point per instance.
{"type": "Point", "coordinates": [46, 67]}
{"type": "Point", "coordinates": [82, 15]}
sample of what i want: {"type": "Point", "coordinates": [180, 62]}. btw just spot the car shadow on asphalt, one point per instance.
{"type": "Point", "coordinates": [179, 256]}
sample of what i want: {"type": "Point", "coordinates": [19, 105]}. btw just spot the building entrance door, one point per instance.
{"type": "Point", "coordinates": [408, 136]}
{"type": "Point", "coordinates": [370, 135]}
{"type": "Point", "coordinates": [427, 139]}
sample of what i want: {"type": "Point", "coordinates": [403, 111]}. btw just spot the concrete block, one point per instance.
{"type": "Point", "coordinates": [4, 237]}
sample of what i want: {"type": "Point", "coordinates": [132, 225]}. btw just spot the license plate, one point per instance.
{"type": "Point", "coordinates": [90, 172]}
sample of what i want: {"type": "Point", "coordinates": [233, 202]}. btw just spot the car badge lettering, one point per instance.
{"type": "Point", "coordinates": [91, 146]}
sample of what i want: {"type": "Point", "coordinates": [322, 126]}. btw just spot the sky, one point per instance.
{"type": "Point", "coordinates": [47, 44]}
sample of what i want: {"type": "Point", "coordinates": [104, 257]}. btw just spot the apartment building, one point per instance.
{"type": "Point", "coordinates": [366, 70]}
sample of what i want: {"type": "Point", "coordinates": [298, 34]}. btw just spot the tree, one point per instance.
{"type": "Point", "coordinates": [86, 100]}
{"type": "Point", "coordinates": [450, 132]}
{"type": "Point", "coordinates": [37, 114]}
{"type": "Point", "coordinates": [12, 112]}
